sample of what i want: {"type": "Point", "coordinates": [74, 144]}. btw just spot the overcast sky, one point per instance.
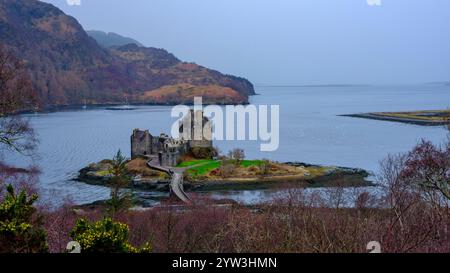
{"type": "Point", "coordinates": [288, 42]}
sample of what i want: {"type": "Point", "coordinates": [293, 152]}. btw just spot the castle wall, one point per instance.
{"type": "Point", "coordinates": [200, 143]}
{"type": "Point", "coordinates": [168, 150]}
{"type": "Point", "coordinates": [141, 143]}
{"type": "Point", "coordinates": [197, 130]}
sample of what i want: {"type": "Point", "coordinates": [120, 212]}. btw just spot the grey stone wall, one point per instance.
{"type": "Point", "coordinates": [169, 150]}
{"type": "Point", "coordinates": [141, 143]}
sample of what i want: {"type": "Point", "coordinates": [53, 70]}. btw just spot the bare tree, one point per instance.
{"type": "Point", "coordinates": [398, 194]}
{"type": "Point", "coordinates": [16, 135]}
{"type": "Point", "coordinates": [238, 155]}
{"type": "Point", "coordinates": [428, 167]}
{"type": "Point", "coordinates": [412, 218]}
{"type": "Point", "coordinates": [16, 94]}
{"type": "Point", "coordinates": [264, 167]}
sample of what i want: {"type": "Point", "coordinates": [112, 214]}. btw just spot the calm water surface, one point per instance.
{"type": "Point", "coordinates": [310, 131]}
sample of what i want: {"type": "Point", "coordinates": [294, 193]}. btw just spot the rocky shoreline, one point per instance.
{"type": "Point", "coordinates": [109, 106]}
{"type": "Point", "coordinates": [337, 176]}
{"type": "Point", "coordinates": [95, 174]}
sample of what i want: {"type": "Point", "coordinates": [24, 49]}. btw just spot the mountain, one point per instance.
{"type": "Point", "coordinates": [69, 67]}
{"type": "Point", "coordinates": [111, 39]}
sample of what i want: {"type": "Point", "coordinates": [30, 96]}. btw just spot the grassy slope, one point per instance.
{"type": "Point", "coordinates": [191, 163]}
{"type": "Point", "coordinates": [248, 178]}
{"type": "Point", "coordinates": [205, 166]}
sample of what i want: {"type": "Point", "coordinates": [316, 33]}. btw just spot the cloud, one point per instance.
{"type": "Point", "coordinates": [374, 2]}
{"type": "Point", "coordinates": [73, 2]}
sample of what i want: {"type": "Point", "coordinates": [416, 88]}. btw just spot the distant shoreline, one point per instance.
{"type": "Point", "coordinates": [56, 108]}
{"type": "Point", "coordinates": [423, 118]}
{"type": "Point", "coordinates": [314, 85]}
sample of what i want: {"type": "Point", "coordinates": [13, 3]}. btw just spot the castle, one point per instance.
{"type": "Point", "coordinates": [195, 132]}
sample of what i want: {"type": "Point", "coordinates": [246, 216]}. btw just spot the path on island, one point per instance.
{"type": "Point", "coordinates": [176, 182]}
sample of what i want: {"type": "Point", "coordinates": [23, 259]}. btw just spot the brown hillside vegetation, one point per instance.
{"type": "Point", "coordinates": [68, 67]}
{"type": "Point", "coordinates": [185, 93]}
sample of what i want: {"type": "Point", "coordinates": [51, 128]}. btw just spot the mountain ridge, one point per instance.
{"type": "Point", "coordinates": [110, 39]}
{"type": "Point", "coordinates": [68, 67]}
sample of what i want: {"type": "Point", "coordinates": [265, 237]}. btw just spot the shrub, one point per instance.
{"type": "Point", "coordinates": [21, 230]}
{"type": "Point", "coordinates": [203, 152]}
{"type": "Point", "coordinates": [105, 236]}
{"type": "Point", "coordinates": [264, 167]}
{"type": "Point", "coordinates": [227, 169]}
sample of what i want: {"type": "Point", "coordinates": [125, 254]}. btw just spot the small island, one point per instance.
{"type": "Point", "coordinates": [227, 173]}
{"type": "Point", "coordinates": [162, 163]}
{"type": "Point", "coordinates": [425, 117]}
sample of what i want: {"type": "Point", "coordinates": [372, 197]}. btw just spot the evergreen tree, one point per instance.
{"type": "Point", "coordinates": [21, 230]}
{"type": "Point", "coordinates": [120, 179]}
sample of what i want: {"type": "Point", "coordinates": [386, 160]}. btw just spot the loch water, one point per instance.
{"type": "Point", "coordinates": [311, 130]}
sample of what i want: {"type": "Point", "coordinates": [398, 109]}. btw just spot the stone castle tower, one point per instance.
{"type": "Point", "coordinates": [196, 129]}
{"type": "Point", "coordinates": [167, 150]}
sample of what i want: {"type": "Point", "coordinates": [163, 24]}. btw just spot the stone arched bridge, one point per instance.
{"type": "Point", "coordinates": [176, 182]}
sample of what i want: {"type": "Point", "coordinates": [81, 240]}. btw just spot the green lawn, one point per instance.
{"type": "Point", "coordinates": [205, 166]}
{"type": "Point", "coordinates": [250, 163]}
{"type": "Point", "coordinates": [194, 162]}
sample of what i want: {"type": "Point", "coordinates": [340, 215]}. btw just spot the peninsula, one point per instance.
{"type": "Point", "coordinates": [426, 117]}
